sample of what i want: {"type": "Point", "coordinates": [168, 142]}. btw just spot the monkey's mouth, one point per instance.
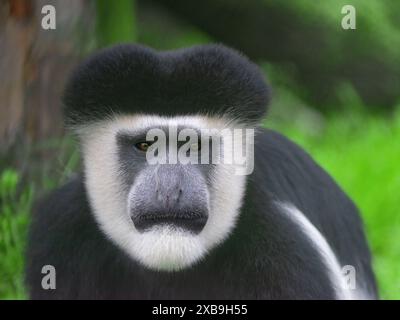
{"type": "Point", "coordinates": [193, 223]}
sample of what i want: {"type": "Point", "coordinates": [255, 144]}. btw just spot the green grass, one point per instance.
{"type": "Point", "coordinates": [359, 150]}
{"type": "Point", "coordinates": [14, 217]}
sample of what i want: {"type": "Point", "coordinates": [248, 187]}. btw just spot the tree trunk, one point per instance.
{"type": "Point", "coordinates": [34, 63]}
{"type": "Point", "coordinates": [33, 67]}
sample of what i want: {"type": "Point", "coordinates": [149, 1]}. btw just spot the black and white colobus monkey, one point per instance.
{"type": "Point", "coordinates": [133, 230]}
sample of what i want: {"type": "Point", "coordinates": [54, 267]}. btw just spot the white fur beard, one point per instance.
{"type": "Point", "coordinates": [167, 248]}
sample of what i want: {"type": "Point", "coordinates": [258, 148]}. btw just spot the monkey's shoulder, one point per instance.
{"type": "Point", "coordinates": [63, 205]}
{"type": "Point", "coordinates": [65, 235]}
{"type": "Point", "coordinates": [280, 150]}
{"type": "Point", "coordinates": [281, 163]}
{"type": "Point", "coordinates": [61, 219]}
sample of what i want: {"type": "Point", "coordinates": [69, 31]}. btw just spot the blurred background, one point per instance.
{"type": "Point", "coordinates": [336, 92]}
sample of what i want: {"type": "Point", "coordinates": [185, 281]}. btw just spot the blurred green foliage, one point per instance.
{"type": "Point", "coordinates": [377, 20]}
{"type": "Point", "coordinates": [15, 207]}
{"type": "Point", "coordinates": [325, 55]}
{"type": "Point", "coordinates": [307, 39]}
{"type": "Point", "coordinates": [115, 23]}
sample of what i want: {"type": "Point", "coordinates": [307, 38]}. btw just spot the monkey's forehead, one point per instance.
{"type": "Point", "coordinates": [140, 124]}
{"type": "Point", "coordinates": [130, 79]}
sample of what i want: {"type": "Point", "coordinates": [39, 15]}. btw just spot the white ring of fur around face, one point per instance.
{"type": "Point", "coordinates": [162, 248]}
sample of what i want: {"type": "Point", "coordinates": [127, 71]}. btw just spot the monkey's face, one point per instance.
{"type": "Point", "coordinates": [164, 197]}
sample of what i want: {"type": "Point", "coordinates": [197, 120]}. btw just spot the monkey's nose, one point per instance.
{"type": "Point", "coordinates": [176, 198]}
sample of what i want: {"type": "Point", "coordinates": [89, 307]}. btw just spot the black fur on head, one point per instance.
{"type": "Point", "coordinates": [129, 79]}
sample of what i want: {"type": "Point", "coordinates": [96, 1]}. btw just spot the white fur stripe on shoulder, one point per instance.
{"type": "Point", "coordinates": [324, 249]}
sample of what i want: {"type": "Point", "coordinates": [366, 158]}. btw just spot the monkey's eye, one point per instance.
{"type": "Point", "coordinates": [142, 146]}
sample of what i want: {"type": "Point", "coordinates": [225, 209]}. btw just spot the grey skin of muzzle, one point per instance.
{"type": "Point", "coordinates": [176, 195]}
